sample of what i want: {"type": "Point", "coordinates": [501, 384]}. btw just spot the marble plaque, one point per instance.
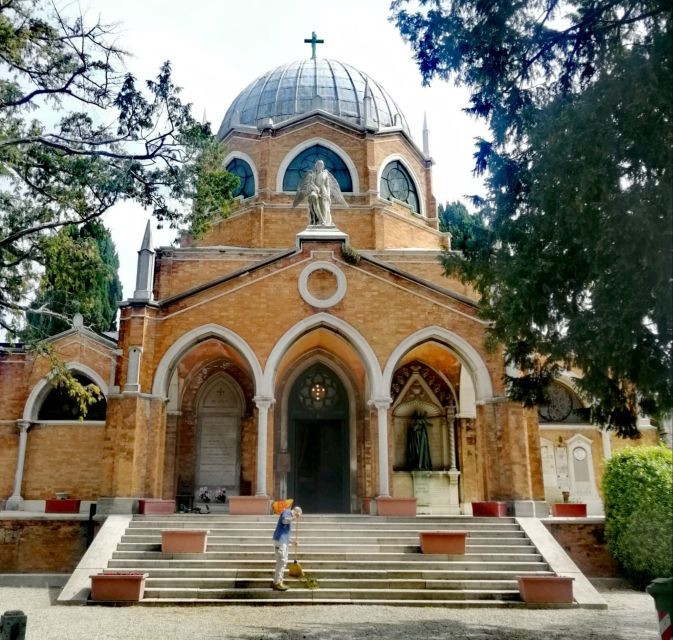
{"type": "Point", "coordinates": [218, 452]}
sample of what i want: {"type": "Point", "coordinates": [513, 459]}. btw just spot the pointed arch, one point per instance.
{"type": "Point", "coordinates": [343, 328]}
{"type": "Point", "coordinates": [173, 354]}
{"type": "Point", "coordinates": [465, 352]}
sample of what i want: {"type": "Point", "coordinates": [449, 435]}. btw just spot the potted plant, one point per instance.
{"type": "Point", "coordinates": [546, 589]}
{"type": "Point", "coordinates": [118, 586]}
{"type": "Point", "coordinates": [221, 495]}
{"type": "Point", "coordinates": [489, 509]}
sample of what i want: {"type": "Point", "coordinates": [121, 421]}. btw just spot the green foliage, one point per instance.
{"type": "Point", "coordinates": [79, 134]}
{"type": "Point", "coordinates": [81, 277]}
{"type": "Point", "coordinates": [573, 263]}
{"type": "Point", "coordinates": [62, 377]}
{"type": "Point", "coordinates": [638, 490]}
{"type": "Point", "coordinates": [467, 230]}
{"type": "Point", "coordinates": [350, 255]}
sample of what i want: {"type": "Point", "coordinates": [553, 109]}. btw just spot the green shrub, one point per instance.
{"type": "Point", "coordinates": [638, 491]}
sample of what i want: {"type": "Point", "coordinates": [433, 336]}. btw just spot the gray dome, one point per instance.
{"type": "Point", "coordinates": [306, 86]}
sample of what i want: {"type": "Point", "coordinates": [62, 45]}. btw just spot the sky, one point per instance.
{"type": "Point", "coordinates": [217, 47]}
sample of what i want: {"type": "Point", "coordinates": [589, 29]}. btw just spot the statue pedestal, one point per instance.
{"type": "Point", "coordinates": [436, 492]}
{"type": "Point", "coordinates": [313, 233]}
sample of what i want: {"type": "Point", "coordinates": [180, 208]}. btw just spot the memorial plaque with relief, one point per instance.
{"type": "Point", "coordinates": [218, 452]}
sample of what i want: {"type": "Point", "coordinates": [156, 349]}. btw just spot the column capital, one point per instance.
{"type": "Point", "coordinates": [263, 402]}
{"type": "Point", "coordinates": [23, 425]}
{"type": "Point", "coordinates": [381, 403]}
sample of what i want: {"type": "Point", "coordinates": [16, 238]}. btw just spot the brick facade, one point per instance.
{"type": "Point", "coordinates": [230, 304]}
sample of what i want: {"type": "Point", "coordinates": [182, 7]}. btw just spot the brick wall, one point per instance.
{"type": "Point", "coordinates": [585, 543]}
{"type": "Point", "coordinates": [36, 546]}
{"type": "Point", "coordinates": [63, 457]}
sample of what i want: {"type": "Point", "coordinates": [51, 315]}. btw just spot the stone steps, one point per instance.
{"type": "Point", "coordinates": [443, 595]}
{"type": "Point", "coordinates": [355, 559]}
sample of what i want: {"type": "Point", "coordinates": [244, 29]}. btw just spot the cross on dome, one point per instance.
{"type": "Point", "coordinates": [313, 41]}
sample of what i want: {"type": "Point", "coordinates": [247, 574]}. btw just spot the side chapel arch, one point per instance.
{"type": "Point", "coordinates": [176, 351]}
{"type": "Point", "coordinates": [42, 389]}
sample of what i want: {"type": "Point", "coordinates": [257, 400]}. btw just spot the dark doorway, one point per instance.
{"type": "Point", "coordinates": [318, 436]}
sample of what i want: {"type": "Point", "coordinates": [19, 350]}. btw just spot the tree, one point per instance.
{"type": "Point", "coordinates": [81, 277]}
{"type": "Point", "coordinates": [575, 267]}
{"type": "Point", "coordinates": [466, 229]}
{"type": "Point", "coordinates": [78, 135]}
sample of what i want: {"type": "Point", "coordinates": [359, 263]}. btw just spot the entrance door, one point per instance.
{"type": "Point", "coordinates": [318, 438]}
{"type": "Point", "coordinates": [319, 447]}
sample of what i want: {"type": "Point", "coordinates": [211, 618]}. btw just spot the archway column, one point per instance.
{"type": "Point", "coordinates": [263, 405]}
{"type": "Point", "coordinates": [382, 405]}
{"type": "Point", "coordinates": [15, 501]}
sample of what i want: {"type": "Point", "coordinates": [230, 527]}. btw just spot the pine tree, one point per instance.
{"type": "Point", "coordinates": [81, 277]}
{"type": "Point", "coordinates": [575, 262]}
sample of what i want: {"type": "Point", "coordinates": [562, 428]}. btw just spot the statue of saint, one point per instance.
{"type": "Point", "coordinates": [320, 188]}
{"type": "Point", "coordinates": [418, 448]}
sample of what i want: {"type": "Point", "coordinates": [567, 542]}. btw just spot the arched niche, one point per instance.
{"type": "Point", "coordinates": [219, 407]}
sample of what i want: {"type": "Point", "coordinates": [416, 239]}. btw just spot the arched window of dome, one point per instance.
{"type": "Point", "coordinates": [244, 172]}
{"type": "Point", "coordinates": [58, 405]}
{"type": "Point", "coordinates": [396, 183]}
{"type": "Point", "coordinates": [305, 161]}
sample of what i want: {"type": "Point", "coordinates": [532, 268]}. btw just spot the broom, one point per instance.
{"type": "Point", "coordinates": [295, 570]}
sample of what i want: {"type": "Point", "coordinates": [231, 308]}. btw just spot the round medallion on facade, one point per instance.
{"type": "Point", "coordinates": [322, 284]}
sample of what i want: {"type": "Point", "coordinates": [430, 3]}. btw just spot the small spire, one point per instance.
{"type": "Point", "coordinates": [145, 272]}
{"type": "Point", "coordinates": [365, 104]}
{"type": "Point", "coordinates": [147, 238]}
{"type": "Point", "coordinates": [204, 118]}
{"type": "Point", "coordinates": [426, 136]}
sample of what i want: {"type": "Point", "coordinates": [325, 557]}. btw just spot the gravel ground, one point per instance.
{"type": "Point", "coordinates": [630, 616]}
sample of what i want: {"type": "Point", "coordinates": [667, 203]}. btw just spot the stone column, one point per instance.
{"type": "Point", "coordinates": [382, 405]}
{"type": "Point", "coordinates": [15, 501]}
{"type": "Point", "coordinates": [451, 431]}
{"type": "Point", "coordinates": [263, 404]}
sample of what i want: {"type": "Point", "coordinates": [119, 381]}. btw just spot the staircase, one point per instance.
{"type": "Point", "coordinates": [355, 560]}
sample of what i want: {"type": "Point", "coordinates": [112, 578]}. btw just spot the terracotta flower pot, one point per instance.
{"type": "Point", "coordinates": [184, 540]}
{"type": "Point", "coordinates": [445, 542]}
{"type": "Point", "coordinates": [398, 507]}
{"type": "Point", "coordinates": [546, 589]}
{"type": "Point", "coordinates": [156, 506]}
{"type": "Point", "coordinates": [118, 586]}
{"type": "Point", "coordinates": [249, 505]}
{"type": "Point", "coordinates": [569, 510]}
{"type": "Point", "coordinates": [61, 506]}
{"type": "Point", "coordinates": [490, 509]}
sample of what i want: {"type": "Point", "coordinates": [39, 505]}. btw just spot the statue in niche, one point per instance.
{"type": "Point", "coordinates": [418, 448]}
{"type": "Point", "coordinates": [320, 188]}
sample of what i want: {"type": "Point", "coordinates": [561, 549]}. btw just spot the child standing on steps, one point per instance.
{"type": "Point", "coordinates": [281, 542]}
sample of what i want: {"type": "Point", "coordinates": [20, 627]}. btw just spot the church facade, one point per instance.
{"type": "Point", "coordinates": [272, 357]}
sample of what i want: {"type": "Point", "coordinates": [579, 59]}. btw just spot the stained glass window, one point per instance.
{"type": "Point", "coordinates": [397, 183]}
{"type": "Point", "coordinates": [242, 169]}
{"type": "Point", "coordinates": [58, 405]}
{"type": "Point", "coordinates": [318, 390]}
{"type": "Point", "coordinates": [306, 160]}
